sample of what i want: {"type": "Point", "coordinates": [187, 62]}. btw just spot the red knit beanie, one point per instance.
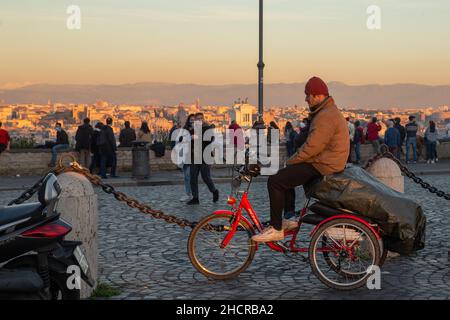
{"type": "Point", "coordinates": [315, 86]}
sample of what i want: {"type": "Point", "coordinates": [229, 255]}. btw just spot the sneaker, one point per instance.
{"type": "Point", "coordinates": [432, 161]}
{"type": "Point", "coordinates": [289, 225]}
{"type": "Point", "coordinates": [216, 196]}
{"type": "Point", "coordinates": [269, 234]}
{"type": "Point", "coordinates": [193, 201]}
{"type": "Point", "coordinates": [428, 161]}
{"type": "Point", "coordinates": [437, 160]}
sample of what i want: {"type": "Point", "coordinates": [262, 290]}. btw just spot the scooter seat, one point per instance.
{"type": "Point", "coordinates": [12, 214]}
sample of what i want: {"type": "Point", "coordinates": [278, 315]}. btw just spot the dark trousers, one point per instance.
{"type": "Point", "coordinates": [431, 150]}
{"type": "Point", "coordinates": [104, 159]}
{"type": "Point", "coordinates": [205, 172]}
{"type": "Point", "coordinates": [95, 162]}
{"type": "Point", "coordinates": [281, 188]}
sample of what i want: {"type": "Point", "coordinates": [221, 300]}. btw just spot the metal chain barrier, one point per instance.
{"type": "Point", "coordinates": [74, 166]}
{"type": "Point", "coordinates": [386, 154]}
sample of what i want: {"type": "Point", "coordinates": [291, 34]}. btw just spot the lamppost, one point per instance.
{"type": "Point", "coordinates": [261, 65]}
{"type": "Point", "coordinates": [260, 122]}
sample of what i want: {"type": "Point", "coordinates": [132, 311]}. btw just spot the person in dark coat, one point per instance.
{"type": "Point", "coordinates": [83, 142]}
{"type": "Point", "coordinates": [401, 129]}
{"type": "Point", "coordinates": [200, 168]}
{"type": "Point", "coordinates": [61, 144]}
{"type": "Point", "coordinates": [106, 142]}
{"type": "Point", "coordinates": [95, 159]}
{"type": "Point", "coordinates": [127, 136]}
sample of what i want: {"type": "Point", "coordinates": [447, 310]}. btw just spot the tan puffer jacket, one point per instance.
{"type": "Point", "coordinates": [328, 143]}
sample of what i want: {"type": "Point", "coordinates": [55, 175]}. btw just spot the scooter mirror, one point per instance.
{"type": "Point", "coordinates": [50, 189]}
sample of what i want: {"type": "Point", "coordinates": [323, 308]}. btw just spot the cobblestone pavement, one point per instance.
{"type": "Point", "coordinates": [147, 258]}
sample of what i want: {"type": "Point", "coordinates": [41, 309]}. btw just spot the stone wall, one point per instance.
{"type": "Point", "coordinates": [34, 161]}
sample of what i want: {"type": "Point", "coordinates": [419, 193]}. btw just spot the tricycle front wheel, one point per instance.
{"type": "Point", "coordinates": [206, 253]}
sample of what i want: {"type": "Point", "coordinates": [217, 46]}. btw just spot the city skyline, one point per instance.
{"type": "Point", "coordinates": [215, 42]}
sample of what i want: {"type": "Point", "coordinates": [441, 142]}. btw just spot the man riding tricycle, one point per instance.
{"type": "Point", "coordinates": [343, 246]}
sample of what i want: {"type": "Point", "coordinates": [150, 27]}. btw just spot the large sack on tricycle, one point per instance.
{"type": "Point", "coordinates": [401, 219]}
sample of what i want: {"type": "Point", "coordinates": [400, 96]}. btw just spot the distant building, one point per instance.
{"type": "Point", "coordinates": [5, 113]}
{"type": "Point", "coordinates": [242, 113]}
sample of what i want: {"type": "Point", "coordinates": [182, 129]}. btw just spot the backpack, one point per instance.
{"type": "Point", "coordinates": [101, 138]}
{"type": "Point", "coordinates": [159, 149]}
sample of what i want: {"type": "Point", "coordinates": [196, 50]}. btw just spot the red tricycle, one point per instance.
{"type": "Point", "coordinates": [342, 251]}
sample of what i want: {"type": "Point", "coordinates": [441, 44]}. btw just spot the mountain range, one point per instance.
{"type": "Point", "coordinates": [372, 96]}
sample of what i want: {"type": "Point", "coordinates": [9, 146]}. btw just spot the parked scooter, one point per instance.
{"type": "Point", "coordinates": [35, 260]}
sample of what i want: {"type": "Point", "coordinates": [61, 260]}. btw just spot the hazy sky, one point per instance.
{"type": "Point", "coordinates": [215, 41]}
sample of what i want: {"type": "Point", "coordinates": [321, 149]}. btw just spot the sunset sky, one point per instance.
{"type": "Point", "coordinates": [216, 41]}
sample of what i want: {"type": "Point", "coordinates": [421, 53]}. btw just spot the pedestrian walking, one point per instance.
{"type": "Point", "coordinates": [203, 168]}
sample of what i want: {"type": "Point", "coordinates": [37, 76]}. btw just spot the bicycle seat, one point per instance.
{"type": "Point", "coordinates": [18, 214]}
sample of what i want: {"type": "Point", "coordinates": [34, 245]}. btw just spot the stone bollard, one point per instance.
{"type": "Point", "coordinates": [388, 172]}
{"type": "Point", "coordinates": [78, 206]}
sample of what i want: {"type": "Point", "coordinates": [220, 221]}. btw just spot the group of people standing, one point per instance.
{"type": "Point", "coordinates": [97, 147]}
{"type": "Point", "coordinates": [395, 137]}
